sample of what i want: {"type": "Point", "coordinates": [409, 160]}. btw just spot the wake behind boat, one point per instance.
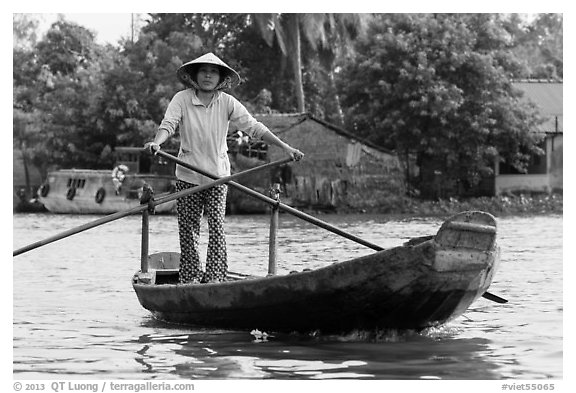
{"type": "Point", "coordinates": [426, 282]}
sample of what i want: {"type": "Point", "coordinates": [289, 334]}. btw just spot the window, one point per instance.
{"type": "Point", "coordinates": [76, 183]}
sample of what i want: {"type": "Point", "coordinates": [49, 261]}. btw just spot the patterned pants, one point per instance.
{"type": "Point", "coordinates": [190, 209]}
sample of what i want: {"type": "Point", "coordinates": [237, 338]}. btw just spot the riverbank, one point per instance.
{"type": "Point", "coordinates": [499, 206]}
{"type": "Point", "coordinates": [503, 205]}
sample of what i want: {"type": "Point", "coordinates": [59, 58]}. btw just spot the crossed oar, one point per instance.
{"type": "Point", "coordinates": [142, 207]}
{"type": "Point", "coordinates": [230, 181]}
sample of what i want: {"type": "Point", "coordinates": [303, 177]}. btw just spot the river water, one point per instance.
{"type": "Point", "coordinates": [75, 315]}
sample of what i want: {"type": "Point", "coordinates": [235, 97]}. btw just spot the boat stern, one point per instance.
{"type": "Point", "coordinates": [467, 255]}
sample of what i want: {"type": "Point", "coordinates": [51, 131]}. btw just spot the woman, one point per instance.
{"type": "Point", "coordinates": [201, 113]}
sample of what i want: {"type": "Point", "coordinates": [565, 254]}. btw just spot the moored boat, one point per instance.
{"type": "Point", "coordinates": [426, 282]}
{"type": "Point", "coordinates": [86, 191]}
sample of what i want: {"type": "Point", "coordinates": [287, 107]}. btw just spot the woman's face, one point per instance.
{"type": "Point", "coordinates": [208, 77]}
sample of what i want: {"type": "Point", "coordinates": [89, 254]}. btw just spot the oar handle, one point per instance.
{"type": "Point", "coordinates": [81, 228]}
{"type": "Point", "coordinates": [217, 181]}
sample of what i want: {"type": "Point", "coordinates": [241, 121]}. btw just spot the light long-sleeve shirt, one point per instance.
{"type": "Point", "coordinates": [203, 130]}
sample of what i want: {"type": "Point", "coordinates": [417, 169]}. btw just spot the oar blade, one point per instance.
{"type": "Point", "coordinates": [494, 298]}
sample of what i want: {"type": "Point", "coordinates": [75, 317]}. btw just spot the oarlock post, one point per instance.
{"type": "Point", "coordinates": [272, 245]}
{"type": "Point", "coordinates": [147, 197]}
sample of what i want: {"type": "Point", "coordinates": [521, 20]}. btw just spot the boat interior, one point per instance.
{"type": "Point", "coordinates": [170, 277]}
{"type": "Point", "coordinates": [163, 269]}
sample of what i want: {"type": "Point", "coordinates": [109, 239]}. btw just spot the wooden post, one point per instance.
{"type": "Point", "coordinates": [145, 239]}
{"type": "Point", "coordinates": [147, 198]}
{"type": "Point", "coordinates": [272, 245]}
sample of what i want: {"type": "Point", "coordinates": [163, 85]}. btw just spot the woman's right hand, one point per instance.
{"type": "Point", "coordinates": [152, 147]}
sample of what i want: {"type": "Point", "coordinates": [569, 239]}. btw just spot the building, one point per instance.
{"type": "Point", "coordinates": [545, 172]}
{"type": "Point", "coordinates": [25, 182]}
{"type": "Point", "coordinates": [338, 173]}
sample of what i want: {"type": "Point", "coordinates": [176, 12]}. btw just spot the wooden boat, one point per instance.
{"type": "Point", "coordinates": [426, 282]}
{"type": "Point", "coordinates": [86, 191]}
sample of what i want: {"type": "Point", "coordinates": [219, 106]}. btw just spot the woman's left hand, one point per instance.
{"type": "Point", "coordinates": [296, 154]}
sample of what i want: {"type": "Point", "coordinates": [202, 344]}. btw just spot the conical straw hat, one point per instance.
{"type": "Point", "coordinates": [187, 72]}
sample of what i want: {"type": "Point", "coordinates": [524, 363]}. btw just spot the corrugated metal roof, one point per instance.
{"type": "Point", "coordinates": [281, 122]}
{"type": "Point", "coordinates": [548, 96]}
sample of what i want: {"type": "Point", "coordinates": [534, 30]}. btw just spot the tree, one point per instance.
{"type": "Point", "coordinates": [213, 32]}
{"type": "Point", "coordinates": [438, 87]}
{"type": "Point", "coordinates": [24, 30]}
{"type": "Point", "coordinates": [139, 82]}
{"type": "Point", "coordinates": [326, 33]}
{"type": "Point", "coordinates": [66, 46]}
{"type": "Point", "coordinates": [261, 67]}
{"type": "Point", "coordinates": [235, 38]}
{"type": "Point", "coordinates": [336, 45]}
{"type": "Point", "coordinates": [56, 91]}
{"type": "Point", "coordinates": [540, 46]}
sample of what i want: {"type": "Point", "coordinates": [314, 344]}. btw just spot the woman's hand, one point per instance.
{"type": "Point", "coordinates": [296, 154]}
{"type": "Point", "coordinates": [152, 147]}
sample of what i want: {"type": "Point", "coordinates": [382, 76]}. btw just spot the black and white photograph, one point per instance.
{"type": "Point", "coordinates": [206, 201]}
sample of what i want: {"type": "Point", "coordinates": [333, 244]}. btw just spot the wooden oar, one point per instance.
{"type": "Point", "coordinates": [297, 213]}
{"type": "Point", "coordinates": [141, 208]}
{"type": "Point", "coordinates": [270, 201]}
{"type": "Point", "coordinates": [494, 298]}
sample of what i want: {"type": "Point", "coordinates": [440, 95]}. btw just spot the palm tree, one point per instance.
{"type": "Point", "coordinates": [329, 34]}
{"type": "Point", "coordinates": [286, 29]}
{"type": "Point", "coordinates": [336, 42]}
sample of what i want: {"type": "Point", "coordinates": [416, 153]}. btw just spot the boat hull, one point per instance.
{"type": "Point", "coordinates": [421, 284]}
{"type": "Point", "coordinates": [94, 192]}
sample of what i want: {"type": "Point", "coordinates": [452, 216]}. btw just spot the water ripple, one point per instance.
{"type": "Point", "coordinates": [75, 314]}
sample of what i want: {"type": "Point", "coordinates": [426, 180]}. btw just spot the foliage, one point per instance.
{"type": "Point", "coordinates": [438, 87]}
{"type": "Point", "coordinates": [498, 206]}
{"type": "Point", "coordinates": [147, 69]}
{"type": "Point", "coordinates": [327, 35]}
{"type": "Point", "coordinates": [537, 45]}
{"type": "Point", "coordinates": [262, 67]}
{"type": "Point", "coordinates": [212, 32]}
{"type": "Point", "coordinates": [56, 84]}
{"type": "Point", "coordinates": [24, 30]}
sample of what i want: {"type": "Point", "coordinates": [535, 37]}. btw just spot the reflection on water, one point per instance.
{"type": "Point", "coordinates": [76, 315]}
{"type": "Point", "coordinates": [393, 355]}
